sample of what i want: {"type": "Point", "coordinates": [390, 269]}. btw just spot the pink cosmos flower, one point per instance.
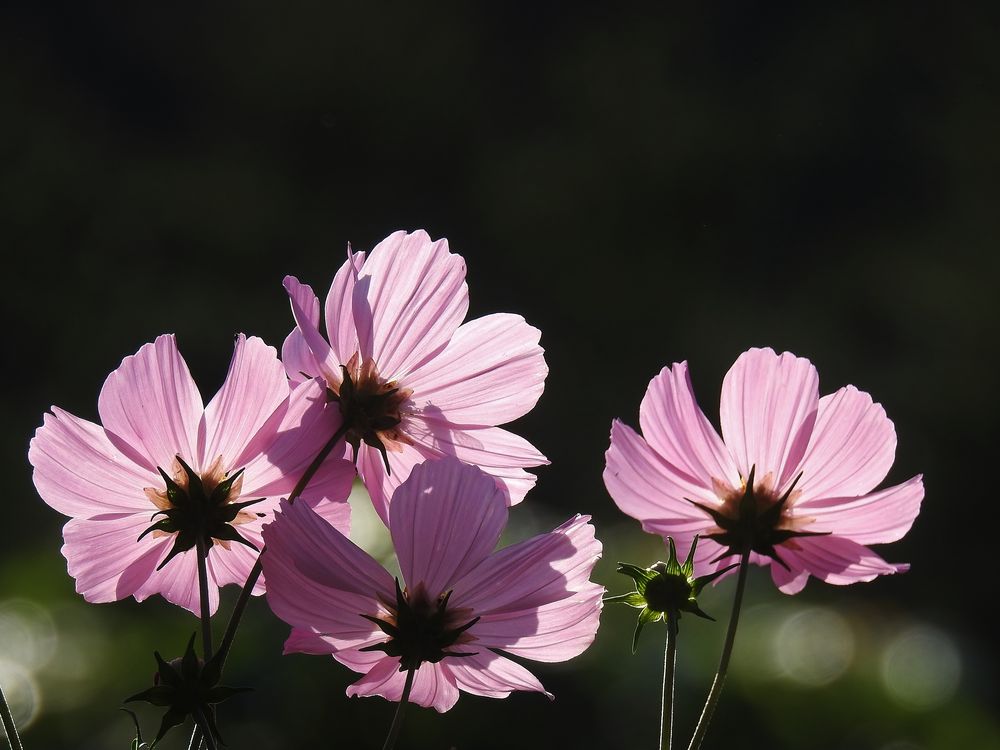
{"type": "Point", "coordinates": [792, 475]}
{"type": "Point", "coordinates": [460, 603]}
{"type": "Point", "coordinates": [413, 380]}
{"type": "Point", "coordinates": [159, 450]}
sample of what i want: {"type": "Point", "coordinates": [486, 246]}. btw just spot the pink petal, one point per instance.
{"type": "Point", "coordinates": [679, 432]}
{"type": "Point", "coordinates": [253, 391]}
{"type": "Point", "coordinates": [513, 482]}
{"type": "Point", "coordinates": [834, 560]}
{"type": "Point", "coordinates": [339, 309]}
{"type": "Point", "coordinates": [486, 447]}
{"type": "Point", "coordinates": [305, 310]}
{"type": "Point", "coordinates": [851, 449]}
{"type": "Point", "coordinates": [552, 632]}
{"type": "Point", "coordinates": [768, 410]}
{"type": "Point", "coordinates": [432, 685]}
{"type": "Point", "coordinates": [79, 472]}
{"type": "Point", "coordinates": [883, 516]}
{"type": "Point", "coordinates": [233, 565]}
{"type": "Point", "coordinates": [491, 675]}
{"type": "Point", "coordinates": [298, 358]}
{"type": "Point", "coordinates": [284, 451]}
{"type": "Point", "coordinates": [789, 581]}
{"type": "Point", "coordinates": [544, 569]}
{"type": "Point", "coordinates": [409, 300]}
{"type": "Point", "coordinates": [177, 582]}
{"type": "Point", "coordinates": [444, 520]}
{"type": "Point", "coordinates": [535, 598]}
{"type": "Point", "coordinates": [652, 491]}
{"type": "Point", "coordinates": [102, 554]}
{"type": "Point", "coordinates": [152, 407]}
{"type": "Point", "coordinates": [491, 372]}
{"type": "Point", "coordinates": [318, 580]}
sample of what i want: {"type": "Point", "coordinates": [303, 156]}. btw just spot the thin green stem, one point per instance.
{"type": "Point", "coordinates": [397, 720]}
{"type": "Point", "coordinates": [669, 665]}
{"type": "Point", "coordinates": [727, 651]}
{"type": "Point", "coordinates": [8, 723]}
{"type": "Point", "coordinates": [195, 743]}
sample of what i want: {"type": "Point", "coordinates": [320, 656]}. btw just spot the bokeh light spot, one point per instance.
{"type": "Point", "coordinates": [921, 667]}
{"type": "Point", "coordinates": [23, 696]}
{"type": "Point", "coordinates": [28, 634]}
{"type": "Point", "coordinates": [814, 646]}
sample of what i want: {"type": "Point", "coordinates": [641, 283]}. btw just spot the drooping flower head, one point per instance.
{"type": "Point", "coordinates": [791, 477]}
{"type": "Point", "coordinates": [459, 601]}
{"type": "Point", "coordinates": [163, 469]}
{"type": "Point", "coordinates": [410, 378]}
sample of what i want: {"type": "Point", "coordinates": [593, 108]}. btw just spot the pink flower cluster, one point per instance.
{"type": "Point", "coordinates": [409, 392]}
{"type": "Point", "coordinates": [389, 384]}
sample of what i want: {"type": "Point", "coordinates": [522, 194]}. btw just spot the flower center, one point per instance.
{"type": "Point", "coordinates": [420, 629]}
{"type": "Point", "coordinates": [371, 407]}
{"type": "Point", "coordinates": [754, 518]}
{"type": "Point", "coordinates": [199, 508]}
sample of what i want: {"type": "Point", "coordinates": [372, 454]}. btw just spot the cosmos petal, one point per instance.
{"type": "Point", "coordinates": [491, 372]}
{"type": "Point", "coordinates": [409, 300]}
{"type": "Point", "coordinates": [677, 429]}
{"type": "Point", "coordinates": [492, 675]}
{"type": "Point", "coordinates": [646, 487]}
{"type": "Point", "coordinates": [339, 309]}
{"type": "Point", "coordinates": [151, 407]}
{"type": "Point", "coordinates": [768, 410]}
{"type": "Point", "coordinates": [79, 472]}
{"type": "Point", "coordinates": [445, 520]}
{"type": "Point", "coordinates": [305, 310]}
{"type": "Point", "coordinates": [254, 389]}
{"type": "Point", "coordinates": [851, 449]}
{"type": "Point", "coordinates": [883, 516]}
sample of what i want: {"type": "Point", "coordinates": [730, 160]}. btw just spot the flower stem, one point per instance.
{"type": "Point", "coordinates": [8, 723]}
{"type": "Point", "coordinates": [727, 650]}
{"type": "Point", "coordinates": [206, 614]}
{"type": "Point", "coordinates": [202, 722]}
{"type": "Point", "coordinates": [669, 664]}
{"type": "Point", "coordinates": [397, 720]}
{"type": "Point", "coordinates": [241, 603]}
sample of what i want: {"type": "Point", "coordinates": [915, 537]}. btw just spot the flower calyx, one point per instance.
{"type": "Point", "coordinates": [664, 590]}
{"type": "Point", "coordinates": [199, 508]}
{"type": "Point", "coordinates": [370, 406]}
{"type": "Point", "coordinates": [754, 519]}
{"type": "Point", "coordinates": [420, 629]}
{"type": "Point", "coordinates": [187, 686]}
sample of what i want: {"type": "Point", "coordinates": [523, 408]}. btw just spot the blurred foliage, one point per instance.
{"type": "Point", "coordinates": [646, 184]}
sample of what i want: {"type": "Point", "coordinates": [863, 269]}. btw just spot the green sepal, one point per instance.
{"type": "Point", "coordinates": [632, 599]}
{"type": "Point", "coordinates": [221, 491]}
{"type": "Point", "coordinates": [158, 695]}
{"type": "Point", "coordinates": [641, 576]}
{"type": "Point", "coordinates": [647, 615]}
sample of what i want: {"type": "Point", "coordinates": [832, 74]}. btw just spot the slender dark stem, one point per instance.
{"type": "Point", "coordinates": [209, 740]}
{"type": "Point", "coordinates": [727, 650]}
{"type": "Point", "coordinates": [397, 720]}
{"type": "Point", "coordinates": [241, 603]}
{"type": "Point", "coordinates": [669, 664]}
{"type": "Point", "coordinates": [8, 723]}
{"type": "Point", "coordinates": [206, 614]}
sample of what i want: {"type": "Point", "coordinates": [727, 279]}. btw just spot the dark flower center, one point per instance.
{"type": "Point", "coordinates": [199, 508]}
{"type": "Point", "coordinates": [754, 519]}
{"type": "Point", "coordinates": [371, 408]}
{"type": "Point", "coordinates": [420, 629]}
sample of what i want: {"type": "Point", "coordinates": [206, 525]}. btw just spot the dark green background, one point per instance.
{"type": "Point", "coordinates": [646, 184]}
